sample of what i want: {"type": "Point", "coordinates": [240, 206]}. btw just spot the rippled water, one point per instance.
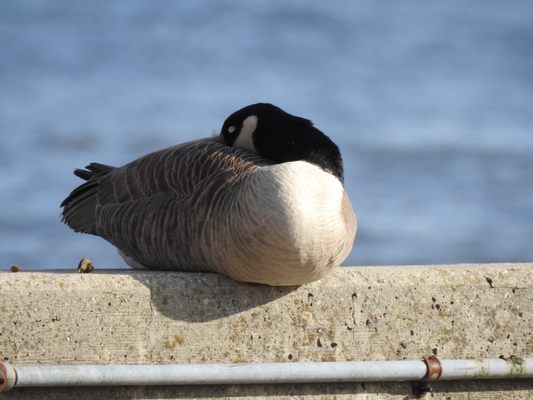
{"type": "Point", "coordinates": [431, 104]}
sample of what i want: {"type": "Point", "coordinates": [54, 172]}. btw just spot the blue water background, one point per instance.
{"type": "Point", "coordinates": [430, 102]}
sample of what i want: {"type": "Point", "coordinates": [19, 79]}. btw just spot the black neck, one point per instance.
{"type": "Point", "coordinates": [295, 139]}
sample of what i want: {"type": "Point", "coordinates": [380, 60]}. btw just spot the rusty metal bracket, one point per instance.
{"type": "Point", "coordinates": [434, 368]}
{"type": "Point", "coordinates": [8, 377]}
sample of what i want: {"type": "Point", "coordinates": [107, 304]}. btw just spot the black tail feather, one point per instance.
{"type": "Point", "coordinates": [93, 169]}
{"type": "Point", "coordinates": [83, 174]}
{"type": "Point", "coordinates": [80, 205]}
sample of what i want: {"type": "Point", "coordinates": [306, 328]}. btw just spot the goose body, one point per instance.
{"type": "Point", "coordinates": [221, 205]}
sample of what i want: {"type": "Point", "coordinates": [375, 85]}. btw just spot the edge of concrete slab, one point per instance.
{"type": "Point", "coordinates": [355, 313]}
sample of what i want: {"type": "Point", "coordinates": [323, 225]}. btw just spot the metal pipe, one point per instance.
{"type": "Point", "coordinates": [489, 368]}
{"type": "Point", "coordinates": [267, 373]}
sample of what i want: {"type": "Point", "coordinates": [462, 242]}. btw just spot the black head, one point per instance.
{"type": "Point", "coordinates": [279, 136]}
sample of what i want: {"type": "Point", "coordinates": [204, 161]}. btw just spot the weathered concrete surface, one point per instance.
{"type": "Point", "coordinates": [123, 316]}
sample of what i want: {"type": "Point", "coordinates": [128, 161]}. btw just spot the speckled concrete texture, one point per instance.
{"type": "Point", "coordinates": [363, 313]}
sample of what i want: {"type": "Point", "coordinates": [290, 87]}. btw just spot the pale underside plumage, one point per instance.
{"type": "Point", "coordinates": [205, 206]}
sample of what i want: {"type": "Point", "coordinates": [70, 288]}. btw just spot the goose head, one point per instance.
{"type": "Point", "coordinates": [274, 134]}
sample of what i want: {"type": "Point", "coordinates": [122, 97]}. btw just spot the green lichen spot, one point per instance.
{"type": "Point", "coordinates": [172, 342]}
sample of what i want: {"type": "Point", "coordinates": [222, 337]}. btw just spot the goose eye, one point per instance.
{"type": "Point", "coordinates": [231, 129]}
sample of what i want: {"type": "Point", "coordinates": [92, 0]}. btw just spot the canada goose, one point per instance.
{"type": "Point", "coordinates": [263, 202]}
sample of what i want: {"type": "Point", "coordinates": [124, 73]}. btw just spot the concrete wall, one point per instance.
{"type": "Point", "coordinates": [123, 316]}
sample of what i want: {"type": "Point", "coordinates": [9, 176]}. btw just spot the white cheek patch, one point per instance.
{"type": "Point", "coordinates": [245, 139]}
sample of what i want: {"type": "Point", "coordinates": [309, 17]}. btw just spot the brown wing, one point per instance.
{"type": "Point", "coordinates": [144, 208]}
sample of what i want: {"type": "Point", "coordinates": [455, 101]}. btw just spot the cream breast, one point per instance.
{"type": "Point", "coordinates": [299, 225]}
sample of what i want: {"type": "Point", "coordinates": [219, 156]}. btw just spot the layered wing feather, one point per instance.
{"type": "Point", "coordinates": [155, 207]}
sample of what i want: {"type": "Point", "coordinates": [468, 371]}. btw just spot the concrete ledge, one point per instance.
{"type": "Point", "coordinates": [381, 313]}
